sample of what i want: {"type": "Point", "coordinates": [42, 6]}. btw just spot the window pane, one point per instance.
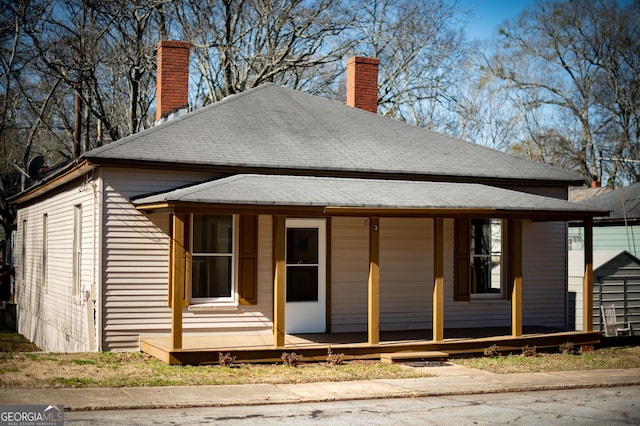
{"type": "Point", "coordinates": [211, 277]}
{"type": "Point", "coordinates": [480, 237]}
{"type": "Point", "coordinates": [486, 256]}
{"type": "Point", "coordinates": [212, 234]}
{"type": "Point", "coordinates": [302, 246]}
{"type": "Point", "coordinates": [302, 283]}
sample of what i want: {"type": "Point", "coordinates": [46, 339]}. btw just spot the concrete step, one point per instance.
{"type": "Point", "coordinates": [390, 358]}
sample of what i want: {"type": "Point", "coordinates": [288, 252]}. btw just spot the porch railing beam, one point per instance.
{"type": "Point", "coordinates": [438, 279]}
{"type": "Point", "coordinates": [587, 284]}
{"type": "Point", "coordinates": [516, 293]}
{"type": "Point", "coordinates": [374, 281]}
{"type": "Point", "coordinates": [178, 278]}
{"type": "Point", "coordinates": [278, 280]}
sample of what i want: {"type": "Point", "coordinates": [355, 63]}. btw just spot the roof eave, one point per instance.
{"type": "Point", "coordinates": [72, 171]}
{"type": "Point", "coordinates": [430, 212]}
{"type": "Point", "coordinates": [230, 169]}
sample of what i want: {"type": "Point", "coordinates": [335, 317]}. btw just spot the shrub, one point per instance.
{"type": "Point", "coordinates": [529, 351]}
{"type": "Point", "coordinates": [567, 348]}
{"type": "Point", "coordinates": [334, 359]}
{"type": "Point", "coordinates": [291, 359]}
{"type": "Point", "coordinates": [225, 360]}
{"type": "Point", "coordinates": [587, 348]}
{"type": "Point", "coordinates": [491, 351]}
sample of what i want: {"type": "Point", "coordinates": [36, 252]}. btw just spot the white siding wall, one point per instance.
{"type": "Point", "coordinates": [136, 254]}
{"type": "Point", "coordinates": [475, 313]}
{"type": "Point", "coordinates": [406, 275]}
{"type": "Point", "coordinates": [244, 318]}
{"type": "Point", "coordinates": [48, 313]}
{"type": "Point", "coordinates": [544, 273]}
{"type": "Point", "coordinates": [349, 274]}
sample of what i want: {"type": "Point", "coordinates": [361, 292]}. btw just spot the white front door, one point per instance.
{"type": "Point", "coordinates": [305, 308]}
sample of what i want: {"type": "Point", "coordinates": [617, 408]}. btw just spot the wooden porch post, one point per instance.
{"type": "Point", "coordinates": [374, 281]}
{"type": "Point", "coordinates": [587, 284]}
{"type": "Point", "coordinates": [278, 279]}
{"type": "Point", "coordinates": [438, 279]}
{"type": "Point", "coordinates": [178, 275]}
{"type": "Point", "coordinates": [516, 293]}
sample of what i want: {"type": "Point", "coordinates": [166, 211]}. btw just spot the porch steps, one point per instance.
{"type": "Point", "coordinates": [390, 358]}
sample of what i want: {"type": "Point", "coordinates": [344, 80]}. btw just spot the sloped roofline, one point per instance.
{"type": "Point", "coordinates": [274, 128]}
{"type": "Point", "coordinates": [361, 197]}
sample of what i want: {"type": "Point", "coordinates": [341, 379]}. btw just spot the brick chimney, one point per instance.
{"type": "Point", "coordinates": [362, 83]}
{"type": "Point", "coordinates": [172, 81]}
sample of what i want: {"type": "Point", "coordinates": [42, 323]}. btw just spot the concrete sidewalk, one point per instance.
{"type": "Point", "coordinates": [448, 379]}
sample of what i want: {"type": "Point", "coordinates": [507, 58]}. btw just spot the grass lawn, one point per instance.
{"type": "Point", "coordinates": [604, 358]}
{"type": "Point", "coordinates": [108, 369]}
{"type": "Point", "coordinates": [23, 366]}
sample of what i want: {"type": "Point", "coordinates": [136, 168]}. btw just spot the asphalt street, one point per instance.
{"type": "Point", "coordinates": [601, 406]}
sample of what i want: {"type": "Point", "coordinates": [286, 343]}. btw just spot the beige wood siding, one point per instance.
{"type": "Point", "coordinates": [49, 314]}
{"type": "Point", "coordinates": [242, 318]}
{"type": "Point", "coordinates": [544, 285]}
{"type": "Point", "coordinates": [476, 312]}
{"type": "Point", "coordinates": [136, 253]}
{"type": "Point", "coordinates": [406, 273]}
{"type": "Point", "coordinates": [349, 274]}
{"type": "Point", "coordinates": [544, 273]}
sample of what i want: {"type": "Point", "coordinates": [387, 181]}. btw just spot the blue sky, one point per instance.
{"type": "Point", "coordinates": [486, 15]}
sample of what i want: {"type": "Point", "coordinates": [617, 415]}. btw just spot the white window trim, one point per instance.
{"type": "Point", "coordinates": [76, 281]}
{"type": "Point", "coordinates": [23, 252]}
{"type": "Point", "coordinates": [45, 249]}
{"type": "Point", "coordinates": [218, 303]}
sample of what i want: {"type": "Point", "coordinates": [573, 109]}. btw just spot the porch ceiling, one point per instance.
{"type": "Point", "coordinates": [349, 196]}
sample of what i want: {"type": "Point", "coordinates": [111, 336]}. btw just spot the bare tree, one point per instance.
{"type": "Point", "coordinates": [564, 59]}
{"type": "Point", "coordinates": [130, 68]}
{"type": "Point", "coordinates": [240, 44]}
{"type": "Point", "coordinates": [104, 52]}
{"type": "Point", "coordinates": [420, 45]}
{"type": "Point", "coordinates": [485, 114]}
{"type": "Point", "coordinates": [21, 107]}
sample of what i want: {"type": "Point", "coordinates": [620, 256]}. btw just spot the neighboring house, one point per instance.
{"type": "Point", "coordinates": [616, 241]}
{"type": "Point", "coordinates": [274, 212]}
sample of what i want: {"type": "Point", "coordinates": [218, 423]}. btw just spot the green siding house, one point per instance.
{"type": "Point", "coordinates": [616, 246]}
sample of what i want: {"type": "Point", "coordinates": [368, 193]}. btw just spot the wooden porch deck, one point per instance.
{"type": "Point", "coordinates": [260, 347]}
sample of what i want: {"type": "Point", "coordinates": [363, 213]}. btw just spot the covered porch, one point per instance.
{"type": "Point", "coordinates": [283, 197]}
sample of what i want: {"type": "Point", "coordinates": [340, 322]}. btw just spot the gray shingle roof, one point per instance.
{"type": "Point", "coordinates": [623, 202]}
{"type": "Point", "coordinates": [278, 190]}
{"type": "Point", "coordinates": [274, 127]}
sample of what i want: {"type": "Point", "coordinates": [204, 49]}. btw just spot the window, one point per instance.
{"type": "Point", "coordinates": [23, 251]}
{"type": "Point", "coordinates": [44, 250]}
{"type": "Point", "coordinates": [486, 245]}
{"type": "Point", "coordinates": [481, 269]}
{"type": "Point", "coordinates": [212, 258]}
{"type": "Point", "coordinates": [77, 249]}
{"type": "Point", "coordinates": [302, 264]}
{"type": "Point", "coordinates": [576, 238]}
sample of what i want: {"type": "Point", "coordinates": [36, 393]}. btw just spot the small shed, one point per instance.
{"type": "Point", "coordinates": [617, 282]}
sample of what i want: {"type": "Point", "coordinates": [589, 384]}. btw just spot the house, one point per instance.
{"type": "Point", "coordinates": [273, 215]}
{"type": "Point", "coordinates": [615, 252]}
